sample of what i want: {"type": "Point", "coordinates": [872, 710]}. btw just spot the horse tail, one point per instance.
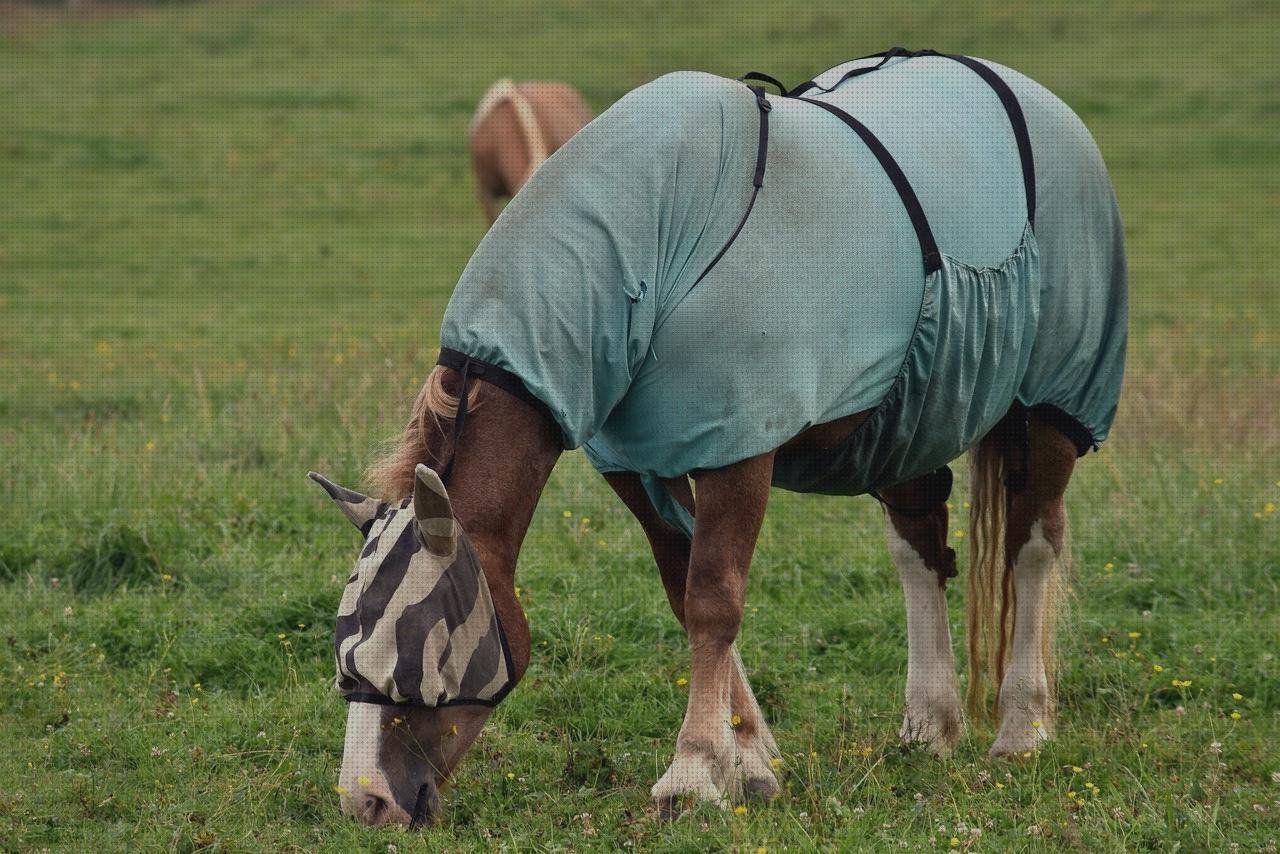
{"type": "Point", "coordinates": [507, 91]}
{"type": "Point", "coordinates": [990, 600]}
{"type": "Point", "coordinates": [392, 475]}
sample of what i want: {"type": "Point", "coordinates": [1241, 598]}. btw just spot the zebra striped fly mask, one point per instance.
{"type": "Point", "coordinates": [416, 625]}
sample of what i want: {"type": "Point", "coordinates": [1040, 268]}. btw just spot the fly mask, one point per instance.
{"type": "Point", "coordinates": [416, 625]}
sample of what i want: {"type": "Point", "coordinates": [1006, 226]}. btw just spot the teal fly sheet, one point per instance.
{"type": "Point", "coordinates": [931, 238]}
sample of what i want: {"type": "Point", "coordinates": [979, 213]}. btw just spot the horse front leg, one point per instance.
{"type": "Point", "coordinates": [756, 748]}
{"type": "Point", "coordinates": [731, 505]}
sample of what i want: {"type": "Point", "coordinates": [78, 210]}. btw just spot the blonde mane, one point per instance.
{"type": "Point", "coordinates": [423, 439]}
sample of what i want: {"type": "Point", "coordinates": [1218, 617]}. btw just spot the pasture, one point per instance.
{"type": "Point", "coordinates": [228, 231]}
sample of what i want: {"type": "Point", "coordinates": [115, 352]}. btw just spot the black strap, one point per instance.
{"type": "Point", "coordinates": [1008, 100]}
{"type": "Point", "coordinates": [928, 246]}
{"type": "Point", "coordinates": [459, 419]}
{"type": "Point", "coordinates": [887, 55]}
{"type": "Point", "coordinates": [761, 77]}
{"type": "Point", "coordinates": [1016, 119]}
{"type": "Point", "coordinates": [757, 180]}
{"type": "Point", "coordinates": [470, 367]}
{"type": "Point", "coordinates": [492, 374]}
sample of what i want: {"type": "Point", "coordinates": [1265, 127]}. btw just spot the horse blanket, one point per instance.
{"type": "Point", "coordinates": [931, 238]}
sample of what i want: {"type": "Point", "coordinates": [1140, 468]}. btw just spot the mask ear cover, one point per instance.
{"type": "Point", "coordinates": [360, 509]}
{"type": "Point", "coordinates": [434, 512]}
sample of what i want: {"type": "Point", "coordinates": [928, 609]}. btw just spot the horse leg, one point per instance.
{"type": "Point", "coordinates": [916, 528]}
{"type": "Point", "coordinates": [1034, 539]}
{"type": "Point", "coordinates": [755, 743]}
{"type": "Point", "coordinates": [731, 505]}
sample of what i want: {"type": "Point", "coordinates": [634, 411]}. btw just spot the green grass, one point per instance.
{"type": "Point", "coordinates": [227, 233]}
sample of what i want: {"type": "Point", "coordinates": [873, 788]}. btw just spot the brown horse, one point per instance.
{"type": "Point", "coordinates": [516, 127]}
{"type": "Point", "coordinates": [494, 442]}
{"type": "Point", "coordinates": [1017, 542]}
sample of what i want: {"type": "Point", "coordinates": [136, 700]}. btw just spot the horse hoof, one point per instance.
{"type": "Point", "coordinates": [762, 788]}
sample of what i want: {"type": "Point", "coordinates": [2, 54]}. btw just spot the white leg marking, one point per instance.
{"type": "Point", "coordinates": [933, 697]}
{"type": "Point", "coordinates": [1024, 693]}
{"type": "Point", "coordinates": [705, 764]}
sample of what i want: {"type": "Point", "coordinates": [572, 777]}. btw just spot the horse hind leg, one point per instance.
{"type": "Point", "coordinates": [1034, 540]}
{"type": "Point", "coordinates": [916, 529]}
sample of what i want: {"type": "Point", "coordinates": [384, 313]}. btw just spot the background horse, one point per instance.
{"type": "Point", "coordinates": [523, 402]}
{"type": "Point", "coordinates": [515, 128]}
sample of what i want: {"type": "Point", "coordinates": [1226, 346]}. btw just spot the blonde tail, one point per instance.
{"type": "Point", "coordinates": [990, 599]}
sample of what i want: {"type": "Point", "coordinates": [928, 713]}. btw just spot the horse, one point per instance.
{"type": "Point", "coordinates": [515, 128]}
{"type": "Point", "coordinates": [895, 300]}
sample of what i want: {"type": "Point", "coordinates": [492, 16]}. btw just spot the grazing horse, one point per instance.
{"type": "Point", "coordinates": [838, 289]}
{"type": "Point", "coordinates": [516, 127]}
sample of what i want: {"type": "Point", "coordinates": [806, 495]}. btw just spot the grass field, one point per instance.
{"type": "Point", "coordinates": [227, 234]}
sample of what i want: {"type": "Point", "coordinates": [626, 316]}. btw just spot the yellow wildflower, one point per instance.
{"type": "Point", "coordinates": [959, 534]}
{"type": "Point", "coordinates": [1134, 635]}
{"type": "Point", "coordinates": [1036, 724]}
{"type": "Point", "coordinates": [682, 681]}
{"type": "Point", "coordinates": [568, 514]}
{"type": "Point", "coordinates": [1237, 696]}
{"type": "Point", "coordinates": [586, 520]}
{"type": "Point", "coordinates": [955, 843]}
{"type": "Point", "coordinates": [341, 790]}
{"type": "Point", "coordinates": [1269, 507]}
{"type": "Point", "coordinates": [740, 809]}
{"type": "Point", "coordinates": [1109, 567]}
{"type": "Point", "coordinates": [735, 721]}
{"type": "Point", "coordinates": [775, 763]}
{"type": "Point", "coordinates": [1076, 769]}
{"type": "Point", "coordinates": [103, 348]}
{"type": "Point", "coordinates": [1157, 668]}
{"type": "Point", "coordinates": [1235, 715]}
{"type": "Point", "coordinates": [363, 780]}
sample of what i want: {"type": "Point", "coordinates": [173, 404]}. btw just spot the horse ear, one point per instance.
{"type": "Point", "coordinates": [360, 509]}
{"type": "Point", "coordinates": [434, 512]}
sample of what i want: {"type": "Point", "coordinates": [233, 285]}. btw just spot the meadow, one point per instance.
{"type": "Point", "coordinates": [227, 234]}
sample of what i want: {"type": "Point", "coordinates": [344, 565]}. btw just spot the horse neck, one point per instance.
{"type": "Point", "coordinates": [503, 460]}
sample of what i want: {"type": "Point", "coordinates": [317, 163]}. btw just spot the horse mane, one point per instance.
{"type": "Point", "coordinates": [425, 437]}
